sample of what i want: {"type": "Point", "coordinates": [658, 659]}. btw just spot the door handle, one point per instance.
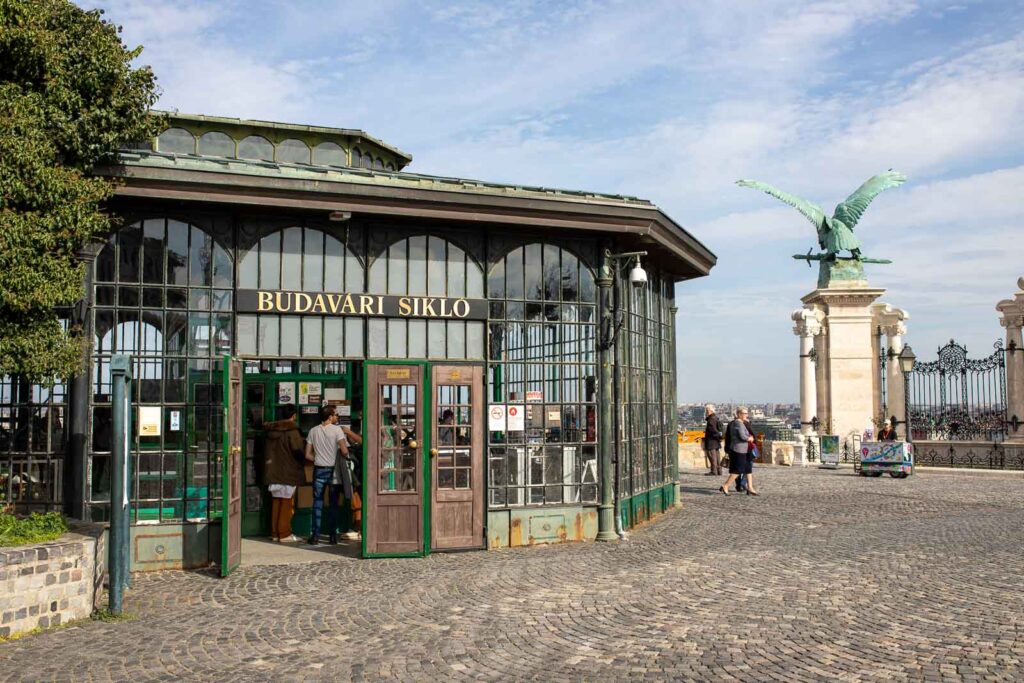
{"type": "Point", "coordinates": [433, 452]}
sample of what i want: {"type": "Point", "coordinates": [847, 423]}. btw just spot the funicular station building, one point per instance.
{"type": "Point", "coordinates": [511, 384]}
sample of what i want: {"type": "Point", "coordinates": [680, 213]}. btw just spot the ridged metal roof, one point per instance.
{"type": "Point", "coordinates": [347, 174]}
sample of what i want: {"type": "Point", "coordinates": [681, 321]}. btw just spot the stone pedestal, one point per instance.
{"type": "Point", "coordinates": [845, 355]}
{"type": "Point", "coordinates": [799, 448]}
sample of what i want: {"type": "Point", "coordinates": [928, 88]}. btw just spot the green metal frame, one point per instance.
{"type": "Point", "coordinates": [225, 528]}
{"type": "Point", "coordinates": [643, 506]}
{"type": "Point", "coordinates": [425, 463]}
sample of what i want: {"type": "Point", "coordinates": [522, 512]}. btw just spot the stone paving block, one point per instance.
{"type": "Point", "coordinates": [826, 576]}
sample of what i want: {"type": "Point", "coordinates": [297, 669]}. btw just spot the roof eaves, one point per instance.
{"type": "Point", "coordinates": [352, 174]}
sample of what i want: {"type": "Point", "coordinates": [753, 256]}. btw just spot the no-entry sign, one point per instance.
{"type": "Point", "coordinates": [496, 418]}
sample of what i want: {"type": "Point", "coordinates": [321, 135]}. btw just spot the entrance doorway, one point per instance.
{"type": "Point", "coordinates": [268, 388]}
{"type": "Point", "coordinates": [422, 461]}
{"type": "Point", "coordinates": [424, 484]}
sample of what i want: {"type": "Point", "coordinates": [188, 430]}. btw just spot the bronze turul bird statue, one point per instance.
{"type": "Point", "coordinates": [835, 234]}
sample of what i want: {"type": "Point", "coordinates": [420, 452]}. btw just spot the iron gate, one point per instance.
{"type": "Point", "coordinates": [883, 379]}
{"type": "Point", "coordinates": [956, 398]}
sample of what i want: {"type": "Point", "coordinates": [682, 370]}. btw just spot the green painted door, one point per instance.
{"type": "Point", "coordinates": [231, 520]}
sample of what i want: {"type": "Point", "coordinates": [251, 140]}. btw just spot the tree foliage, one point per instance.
{"type": "Point", "coordinates": [69, 98]}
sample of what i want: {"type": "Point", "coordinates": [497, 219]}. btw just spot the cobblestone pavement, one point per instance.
{"type": "Point", "coordinates": [826, 576]}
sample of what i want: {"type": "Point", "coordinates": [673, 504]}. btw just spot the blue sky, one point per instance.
{"type": "Point", "coordinates": [671, 101]}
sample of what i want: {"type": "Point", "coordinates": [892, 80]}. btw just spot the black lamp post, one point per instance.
{"type": "Point", "coordinates": [907, 360]}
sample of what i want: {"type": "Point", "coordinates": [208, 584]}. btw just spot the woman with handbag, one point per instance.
{"type": "Point", "coordinates": [741, 443]}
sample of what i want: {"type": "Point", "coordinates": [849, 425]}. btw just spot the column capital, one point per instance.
{"type": "Point", "coordinates": [1012, 310]}
{"type": "Point", "coordinates": [807, 321]}
{"type": "Point", "coordinates": [1012, 320]}
{"type": "Point", "coordinates": [888, 319]}
{"type": "Point", "coordinates": [894, 329]}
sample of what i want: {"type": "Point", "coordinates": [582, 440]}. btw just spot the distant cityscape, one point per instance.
{"type": "Point", "coordinates": [777, 421]}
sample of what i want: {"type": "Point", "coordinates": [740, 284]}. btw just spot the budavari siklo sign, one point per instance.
{"type": "Point", "coordinates": [347, 304]}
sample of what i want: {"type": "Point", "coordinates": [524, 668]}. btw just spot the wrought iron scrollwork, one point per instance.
{"type": "Point", "coordinates": [957, 398]}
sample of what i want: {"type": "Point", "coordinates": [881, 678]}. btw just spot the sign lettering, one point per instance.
{"type": "Point", "coordinates": [345, 304]}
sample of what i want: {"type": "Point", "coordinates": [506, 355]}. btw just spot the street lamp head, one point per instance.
{"type": "Point", "coordinates": [907, 359]}
{"type": "Point", "coordinates": [638, 276]}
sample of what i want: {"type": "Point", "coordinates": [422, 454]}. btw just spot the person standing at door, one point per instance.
{"type": "Point", "coordinates": [282, 472]}
{"type": "Point", "coordinates": [355, 501]}
{"type": "Point", "coordinates": [324, 443]}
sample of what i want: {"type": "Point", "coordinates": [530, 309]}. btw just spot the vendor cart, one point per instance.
{"type": "Point", "coordinates": [879, 457]}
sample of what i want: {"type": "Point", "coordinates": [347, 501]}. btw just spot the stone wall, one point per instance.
{"type": "Point", "coordinates": [51, 583]}
{"type": "Point", "coordinates": [779, 452]}
{"type": "Point", "coordinates": [691, 457]}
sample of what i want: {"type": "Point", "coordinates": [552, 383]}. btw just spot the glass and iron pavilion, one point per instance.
{"type": "Point", "coordinates": [460, 326]}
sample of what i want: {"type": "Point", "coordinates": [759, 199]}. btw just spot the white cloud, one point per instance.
{"type": "Point", "coordinates": [673, 102]}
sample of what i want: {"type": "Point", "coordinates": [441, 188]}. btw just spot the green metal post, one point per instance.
{"type": "Point", "coordinates": [606, 508]}
{"type": "Point", "coordinates": [118, 546]}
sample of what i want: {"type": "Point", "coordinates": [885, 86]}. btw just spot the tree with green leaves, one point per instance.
{"type": "Point", "coordinates": [69, 98]}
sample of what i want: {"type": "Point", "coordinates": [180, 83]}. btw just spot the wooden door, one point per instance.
{"type": "Point", "coordinates": [393, 395]}
{"type": "Point", "coordinates": [457, 495]}
{"type": "Point", "coordinates": [231, 519]}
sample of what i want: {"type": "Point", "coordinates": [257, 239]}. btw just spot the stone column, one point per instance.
{"type": "Point", "coordinates": [1012, 318]}
{"type": "Point", "coordinates": [807, 326]}
{"type": "Point", "coordinates": [821, 376]}
{"type": "Point", "coordinates": [891, 322]}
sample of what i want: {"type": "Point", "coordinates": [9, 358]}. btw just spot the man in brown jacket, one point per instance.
{"type": "Point", "coordinates": [285, 451]}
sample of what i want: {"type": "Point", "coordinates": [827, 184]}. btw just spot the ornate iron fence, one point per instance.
{"type": "Point", "coordinates": [994, 456]}
{"type": "Point", "coordinates": [883, 378]}
{"type": "Point", "coordinates": [956, 398]}
{"type": "Point", "coordinates": [849, 452]}
{"type": "Point", "coordinates": [812, 449]}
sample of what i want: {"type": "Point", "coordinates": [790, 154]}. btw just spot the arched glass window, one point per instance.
{"type": "Point", "coordinates": [357, 157]}
{"type": "Point", "coordinates": [176, 141]}
{"type": "Point", "coordinates": [542, 350]}
{"type": "Point", "coordinates": [216, 144]}
{"type": "Point", "coordinates": [390, 167]}
{"type": "Point", "coordinates": [432, 266]}
{"type": "Point", "coordinates": [329, 154]}
{"type": "Point", "coordinates": [378, 164]}
{"type": "Point", "coordinates": [256, 147]}
{"type": "Point", "coordinates": [366, 161]}
{"type": "Point", "coordinates": [293, 152]}
{"type": "Point", "coordinates": [542, 272]}
{"type": "Point", "coordinates": [301, 259]}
